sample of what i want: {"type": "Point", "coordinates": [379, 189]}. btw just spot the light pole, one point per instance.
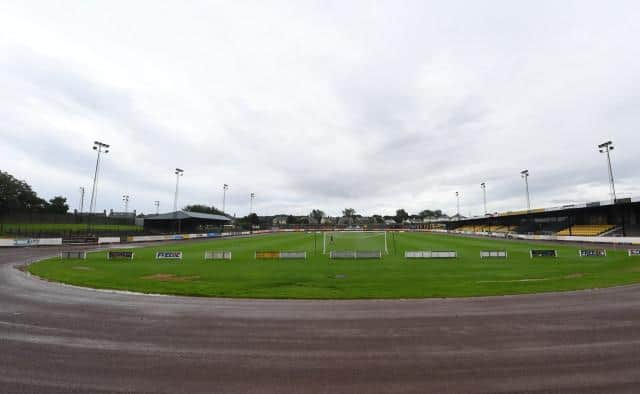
{"type": "Point", "coordinates": [606, 147]}
{"type": "Point", "coordinates": [224, 197]}
{"type": "Point", "coordinates": [157, 204]}
{"type": "Point", "coordinates": [100, 148]}
{"type": "Point", "coordinates": [458, 204]}
{"type": "Point", "coordinates": [483, 185]}
{"type": "Point", "coordinates": [125, 200]}
{"type": "Point", "coordinates": [179, 172]}
{"type": "Point", "coordinates": [81, 199]}
{"type": "Point", "coordinates": [251, 197]}
{"type": "Point", "coordinates": [525, 175]}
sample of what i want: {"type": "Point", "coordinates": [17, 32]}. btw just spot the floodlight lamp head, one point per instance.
{"type": "Point", "coordinates": [605, 144]}
{"type": "Point", "coordinates": [524, 173]}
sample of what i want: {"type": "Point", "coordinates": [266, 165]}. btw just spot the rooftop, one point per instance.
{"type": "Point", "coordinates": [181, 215]}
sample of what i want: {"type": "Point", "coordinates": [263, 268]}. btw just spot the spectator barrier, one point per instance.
{"type": "Point", "coordinates": [30, 241]}
{"type": "Point", "coordinates": [431, 254]}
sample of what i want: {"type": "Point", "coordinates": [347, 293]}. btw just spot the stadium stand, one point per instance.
{"type": "Point", "coordinates": [633, 230]}
{"type": "Point", "coordinates": [526, 228]}
{"type": "Point", "coordinates": [552, 228]}
{"type": "Point", "coordinates": [586, 230]}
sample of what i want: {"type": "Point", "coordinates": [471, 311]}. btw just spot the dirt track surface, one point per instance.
{"type": "Point", "coordinates": [56, 338]}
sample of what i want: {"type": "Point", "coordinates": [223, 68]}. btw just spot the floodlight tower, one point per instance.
{"type": "Point", "coordinates": [179, 172]}
{"type": "Point", "coordinates": [125, 200]}
{"type": "Point", "coordinates": [251, 197]}
{"type": "Point", "coordinates": [606, 147]}
{"type": "Point", "coordinates": [81, 199]}
{"type": "Point", "coordinates": [458, 204]}
{"type": "Point", "coordinates": [525, 175]}
{"type": "Point", "coordinates": [483, 185]}
{"type": "Point", "coordinates": [157, 204]}
{"type": "Point", "coordinates": [225, 187]}
{"type": "Point", "coordinates": [100, 148]}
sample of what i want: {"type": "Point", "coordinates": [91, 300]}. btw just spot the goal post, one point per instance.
{"type": "Point", "coordinates": [354, 240]}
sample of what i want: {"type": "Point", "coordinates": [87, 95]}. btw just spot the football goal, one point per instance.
{"type": "Point", "coordinates": [354, 240]}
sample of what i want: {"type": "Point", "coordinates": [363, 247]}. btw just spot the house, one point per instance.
{"type": "Point", "coordinates": [327, 220]}
{"type": "Point", "coordinates": [280, 220]}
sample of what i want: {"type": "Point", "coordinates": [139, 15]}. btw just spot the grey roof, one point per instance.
{"type": "Point", "coordinates": [187, 215]}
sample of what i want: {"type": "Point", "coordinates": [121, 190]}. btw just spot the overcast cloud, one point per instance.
{"type": "Point", "coordinates": [371, 105]}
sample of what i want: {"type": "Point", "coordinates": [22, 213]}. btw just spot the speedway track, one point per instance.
{"type": "Point", "coordinates": [62, 339]}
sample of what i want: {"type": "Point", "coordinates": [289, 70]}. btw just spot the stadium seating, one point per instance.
{"type": "Point", "coordinates": [633, 230]}
{"type": "Point", "coordinates": [586, 230]}
{"type": "Point", "coordinates": [526, 228]}
{"type": "Point", "coordinates": [468, 228]}
{"type": "Point", "coordinates": [486, 229]}
{"type": "Point", "coordinates": [499, 229]}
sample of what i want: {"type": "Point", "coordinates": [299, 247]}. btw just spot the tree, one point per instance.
{"type": "Point", "coordinates": [58, 204]}
{"type": "Point", "coordinates": [249, 221]}
{"type": "Point", "coordinates": [349, 212]}
{"type": "Point", "coordinates": [401, 215]}
{"type": "Point", "coordinates": [317, 215]}
{"type": "Point", "coordinates": [377, 219]}
{"type": "Point", "coordinates": [253, 219]}
{"type": "Point", "coordinates": [201, 208]}
{"type": "Point", "coordinates": [304, 221]}
{"type": "Point", "coordinates": [291, 219]}
{"type": "Point", "coordinates": [17, 195]}
{"type": "Point", "coordinates": [430, 214]}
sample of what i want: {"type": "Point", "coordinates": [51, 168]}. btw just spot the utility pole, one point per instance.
{"type": "Point", "coordinates": [125, 199]}
{"type": "Point", "coordinates": [81, 199]}
{"type": "Point", "coordinates": [251, 197]}
{"type": "Point", "coordinates": [224, 197]}
{"type": "Point", "coordinates": [525, 175]}
{"type": "Point", "coordinates": [157, 204]}
{"type": "Point", "coordinates": [483, 185]}
{"type": "Point", "coordinates": [607, 147]}
{"type": "Point", "coordinates": [458, 204]}
{"type": "Point", "coordinates": [100, 148]}
{"type": "Point", "coordinates": [179, 172]}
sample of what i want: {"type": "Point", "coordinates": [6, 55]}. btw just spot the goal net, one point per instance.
{"type": "Point", "coordinates": [354, 240]}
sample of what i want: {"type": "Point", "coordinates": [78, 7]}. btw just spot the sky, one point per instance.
{"type": "Point", "coordinates": [372, 105]}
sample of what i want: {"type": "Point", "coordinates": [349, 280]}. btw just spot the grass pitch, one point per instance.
{"type": "Point", "coordinates": [321, 278]}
